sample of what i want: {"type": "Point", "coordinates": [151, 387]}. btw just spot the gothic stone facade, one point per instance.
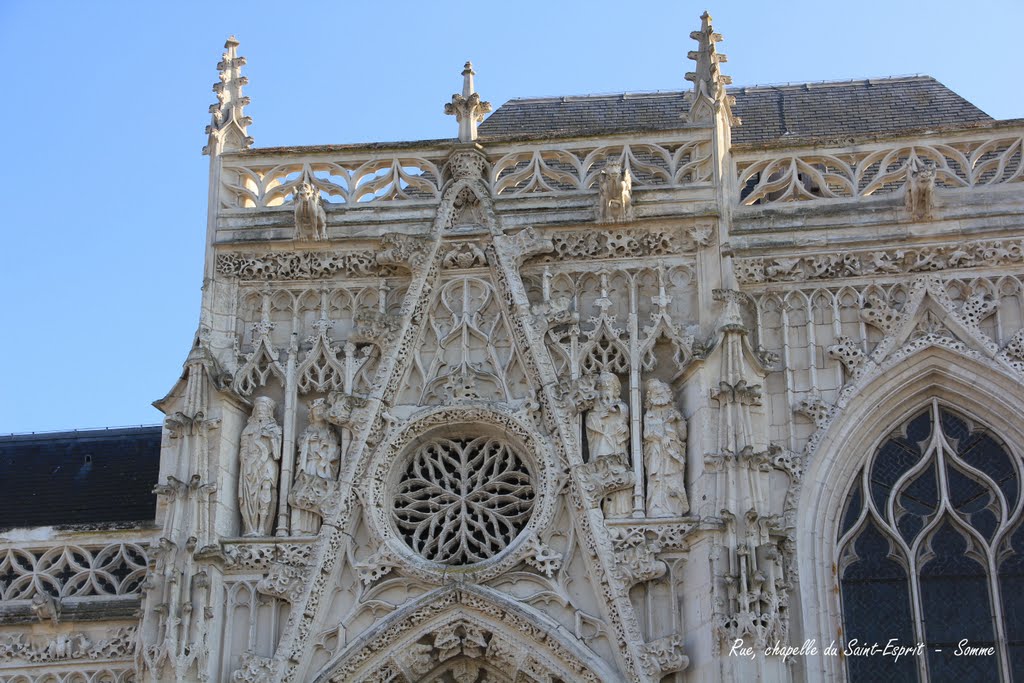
{"type": "Point", "coordinates": [593, 392]}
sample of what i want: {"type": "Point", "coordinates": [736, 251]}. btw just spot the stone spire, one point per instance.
{"type": "Point", "coordinates": [228, 125]}
{"type": "Point", "coordinates": [709, 95]}
{"type": "Point", "coordinates": [467, 108]}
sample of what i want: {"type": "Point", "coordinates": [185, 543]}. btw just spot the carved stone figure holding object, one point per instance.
{"type": "Point", "coordinates": [310, 217]}
{"type": "Point", "coordinates": [607, 435]}
{"type": "Point", "coordinates": [615, 195]}
{"type": "Point", "coordinates": [259, 452]}
{"type": "Point", "coordinates": [920, 189]}
{"type": "Point", "coordinates": [664, 453]}
{"type": "Point", "coordinates": [319, 456]}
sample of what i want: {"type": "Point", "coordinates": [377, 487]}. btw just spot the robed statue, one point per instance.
{"type": "Point", "coordinates": [319, 457]}
{"type": "Point", "coordinates": [259, 452]}
{"type": "Point", "coordinates": [664, 453]}
{"type": "Point", "coordinates": [608, 436]}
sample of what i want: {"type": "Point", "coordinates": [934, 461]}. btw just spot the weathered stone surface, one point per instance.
{"type": "Point", "coordinates": [447, 417]}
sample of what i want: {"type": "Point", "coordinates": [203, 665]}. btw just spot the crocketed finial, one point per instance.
{"type": "Point", "coordinates": [228, 129]}
{"type": "Point", "coordinates": [709, 94]}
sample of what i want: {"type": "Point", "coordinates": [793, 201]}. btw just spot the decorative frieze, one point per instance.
{"type": "Point", "coordinates": [891, 260]}
{"type": "Point", "coordinates": [299, 265]}
{"type": "Point", "coordinates": [76, 645]}
{"type": "Point", "coordinates": [605, 244]}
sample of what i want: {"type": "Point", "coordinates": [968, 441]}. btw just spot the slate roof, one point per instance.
{"type": "Point", "coordinates": [876, 106]}
{"type": "Point", "coordinates": [83, 477]}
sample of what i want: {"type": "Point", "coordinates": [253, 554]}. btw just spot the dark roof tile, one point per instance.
{"type": "Point", "coordinates": [87, 477]}
{"type": "Point", "coordinates": [877, 106]}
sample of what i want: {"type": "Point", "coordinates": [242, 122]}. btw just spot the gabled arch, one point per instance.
{"type": "Point", "coordinates": [466, 623]}
{"type": "Point", "coordinates": [981, 390]}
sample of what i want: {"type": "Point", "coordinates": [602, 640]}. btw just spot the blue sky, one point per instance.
{"type": "Point", "coordinates": [105, 105]}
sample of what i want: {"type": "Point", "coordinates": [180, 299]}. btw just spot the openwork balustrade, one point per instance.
{"type": "Point", "coordinates": [877, 169]}
{"type": "Point", "coordinates": [62, 571]}
{"type": "Point", "coordinates": [578, 168]}
{"type": "Point", "coordinates": [350, 180]}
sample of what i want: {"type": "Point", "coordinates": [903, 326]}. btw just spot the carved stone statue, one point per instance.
{"type": "Point", "coordinates": [319, 456]}
{"type": "Point", "coordinates": [664, 453]}
{"type": "Point", "coordinates": [259, 452]}
{"type": "Point", "coordinates": [608, 435]}
{"type": "Point", "coordinates": [615, 195]}
{"type": "Point", "coordinates": [310, 217]}
{"type": "Point", "coordinates": [920, 189]}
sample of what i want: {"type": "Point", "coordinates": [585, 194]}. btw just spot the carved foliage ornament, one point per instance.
{"type": "Point", "coordinates": [837, 265]}
{"type": "Point", "coordinates": [298, 265]}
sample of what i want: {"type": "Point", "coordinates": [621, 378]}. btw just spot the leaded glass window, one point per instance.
{"type": "Point", "coordinates": [931, 550]}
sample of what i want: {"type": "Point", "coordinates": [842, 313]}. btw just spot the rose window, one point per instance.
{"type": "Point", "coordinates": [462, 501]}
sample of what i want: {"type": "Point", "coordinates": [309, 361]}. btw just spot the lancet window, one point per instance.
{"type": "Point", "coordinates": [931, 550]}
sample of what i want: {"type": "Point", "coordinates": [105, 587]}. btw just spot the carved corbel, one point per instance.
{"type": "Point", "coordinates": [45, 607]}
{"type": "Point", "coordinates": [283, 581]}
{"type": "Point", "coordinates": [663, 656]}
{"type": "Point", "coordinates": [1014, 349]}
{"type": "Point", "coordinates": [635, 558]}
{"type": "Point", "coordinates": [739, 392]}
{"type": "Point", "coordinates": [404, 251]}
{"type": "Point", "coordinates": [847, 352]}
{"type": "Point", "coordinates": [578, 395]}
{"type": "Point", "coordinates": [607, 474]}
{"type": "Point", "coordinates": [552, 313]}
{"type": "Point", "coordinates": [466, 164]}
{"type": "Point", "coordinates": [464, 255]}
{"type": "Point", "coordinates": [522, 245]}
{"type": "Point", "coordinates": [254, 670]}
{"type": "Point", "coordinates": [315, 494]}
{"type": "Point", "coordinates": [976, 308]}
{"type": "Point", "coordinates": [878, 313]}
{"type": "Point", "coordinates": [702, 234]}
{"type": "Point", "coordinates": [380, 564]}
{"type": "Point", "coordinates": [814, 408]}
{"type": "Point", "coordinates": [374, 327]}
{"type": "Point", "coordinates": [347, 411]}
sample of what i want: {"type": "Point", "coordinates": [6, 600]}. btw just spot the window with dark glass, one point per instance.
{"type": "Point", "coordinates": [931, 550]}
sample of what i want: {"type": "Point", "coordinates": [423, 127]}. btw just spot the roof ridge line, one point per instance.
{"type": "Point", "coordinates": [787, 84]}
{"type": "Point", "coordinates": [88, 431]}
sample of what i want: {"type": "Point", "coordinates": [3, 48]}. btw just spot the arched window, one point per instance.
{"type": "Point", "coordinates": [931, 550]}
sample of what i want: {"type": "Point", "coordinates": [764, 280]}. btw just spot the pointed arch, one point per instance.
{"type": "Point", "coordinates": [867, 413]}
{"type": "Point", "coordinates": [460, 623]}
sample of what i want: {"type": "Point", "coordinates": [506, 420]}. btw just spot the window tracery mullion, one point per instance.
{"type": "Point", "coordinates": [996, 602]}
{"type": "Point", "coordinates": [917, 615]}
{"type": "Point", "coordinates": [920, 466]}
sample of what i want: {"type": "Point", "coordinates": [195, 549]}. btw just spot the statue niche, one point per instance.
{"type": "Point", "coordinates": [319, 462]}
{"type": "Point", "coordinates": [259, 452]}
{"type": "Point", "coordinates": [615, 195]}
{"type": "Point", "coordinates": [664, 453]}
{"type": "Point", "coordinates": [607, 437]}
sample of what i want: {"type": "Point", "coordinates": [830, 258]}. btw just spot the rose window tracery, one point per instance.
{"type": "Point", "coordinates": [463, 501]}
